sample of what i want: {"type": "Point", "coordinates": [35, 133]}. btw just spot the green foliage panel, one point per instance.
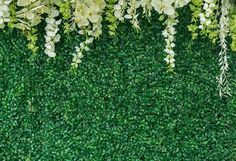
{"type": "Point", "coordinates": [120, 104]}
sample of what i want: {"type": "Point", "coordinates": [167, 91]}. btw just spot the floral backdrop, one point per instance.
{"type": "Point", "coordinates": [120, 103]}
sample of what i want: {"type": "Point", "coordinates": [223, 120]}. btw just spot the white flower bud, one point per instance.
{"type": "Point", "coordinates": [205, 6]}
{"type": "Point", "coordinates": [201, 27]}
{"type": "Point", "coordinates": [203, 19]}
{"type": "Point", "coordinates": [128, 16]}
{"type": "Point", "coordinates": [117, 7]}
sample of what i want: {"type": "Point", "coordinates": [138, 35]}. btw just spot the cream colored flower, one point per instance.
{"type": "Point", "coordinates": [163, 6]}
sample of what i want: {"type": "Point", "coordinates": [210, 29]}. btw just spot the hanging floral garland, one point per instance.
{"type": "Point", "coordinates": [215, 19]}
{"type": "Point", "coordinates": [223, 33]}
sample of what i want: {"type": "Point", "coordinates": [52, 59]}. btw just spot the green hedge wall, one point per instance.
{"type": "Point", "coordinates": [120, 104]}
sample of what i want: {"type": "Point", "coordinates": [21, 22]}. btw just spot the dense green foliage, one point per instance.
{"type": "Point", "coordinates": [119, 105]}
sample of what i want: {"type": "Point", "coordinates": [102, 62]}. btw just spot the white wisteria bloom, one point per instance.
{"type": "Point", "coordinates": [4, 12]}
{"type": "Point", "coordinates": [88, 17]}
{"type": "Point", "coordinates": [168, 7]}
{"type": "Point", "coordinates": [52, 35]}
{"type": "Point", "coordinates": [223, 85]}
{"type": "Point", "coordinates": [169, 33]}
{"type": "Point", "coordinates": [78, 55]}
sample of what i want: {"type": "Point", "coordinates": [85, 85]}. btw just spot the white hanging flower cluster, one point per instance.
{"type": "Point", "coordinates": [120, 9]}
{"type": "Point", "coordinates": [4, 12]}
{"type": "Point", "coordinates": [88, 18]}
{"type": "Point", "coordinates": [223, 85]}
{"type": "Point", "coordinates": [168, 7]}
{"type": "Point", "coordinates": [127, 9]}
{"type": "Point", "coordinates": [169, 35]}
{"type": "Point", "coordinates": [205, 16]}
{"type": "Point", "coordinates": [78, 55]}
{"type": "Point", "coordinates": [52, 35]}
{"type": "Point", "coordinates": [147, 7]}
{"type": "Point", "coordinates": [132, 14]}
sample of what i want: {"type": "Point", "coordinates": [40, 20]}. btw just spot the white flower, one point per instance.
{"type": "Point", "coordinates": [50, 53]}
{"type": "Point", "coordinates": [208, 12]}
{"type": "Point", "coordinates": [82, 45]}
{"type": "Point", "coordinates": [172, 30]}
{"type": "Point", "coordinates": [117, 7]}
{"type": "Point", "coordinates": [172, 65]}
{"type": "Point", "coordinates": [171, 38]}
{"type": "Point", "coordinates": [165, 33]}
{"type": "Point", "coordinates": [163, 6]}
{"type": "Point", "coordinates": [118, 14]}
{"type": "Point", "coordinates": [171, 60]}
{"type": "Point", "coordinates": [172, 45]}
{"type": "Point", "coordinates": [200, 27]}
{"type": "Point", "coordinates": [201, 15]}
{"type": "Point", "coordinates": [86, 48]}
{"type": "Point", "coordinates": [208, 22]}
{"type": "Point", "coordinates": [205, 6]}
{"type": "Point", "coordinates": [89, 41]}
{"type": "Point", "coordinates": [88, 12]}
{"type": "Point", "coordinates": [203, 19]}
{"type": "Point", "coordinates": [128, 16]}
{"type": "Point", "coordinates": [212, 5]}
{"type": "Point", "coordinates": [167, 60]}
